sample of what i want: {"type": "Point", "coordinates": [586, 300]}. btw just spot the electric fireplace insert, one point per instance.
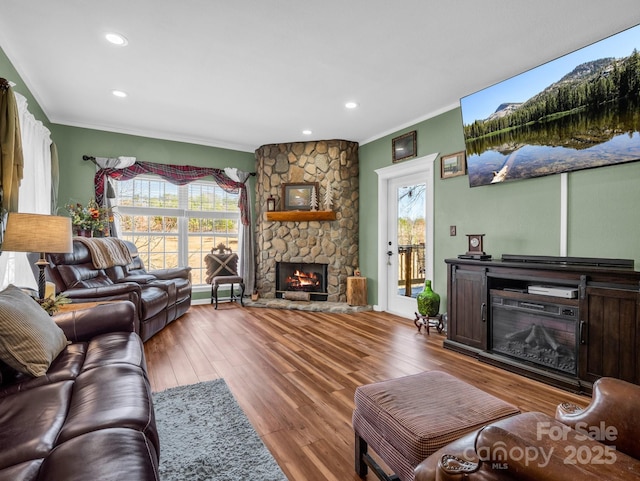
{"type": "Point", "coordinates": [537, 332]}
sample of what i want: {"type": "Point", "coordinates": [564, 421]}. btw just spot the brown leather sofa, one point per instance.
{"type": "Point", "coordinates": [160, 296]}
{"type": "Point", "coordinates": [601, 441]}
{"type": "Point", "coordinates": [91, 416]}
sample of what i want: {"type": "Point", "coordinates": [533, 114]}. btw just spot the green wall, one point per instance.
{"type": "Point", "coordinates": [520, 217]}
{"type": "Point", "coordinates": [604, 212]}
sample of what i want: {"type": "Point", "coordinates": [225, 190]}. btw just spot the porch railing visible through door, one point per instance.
{"type": "Point", "coordinates": [411, 265]}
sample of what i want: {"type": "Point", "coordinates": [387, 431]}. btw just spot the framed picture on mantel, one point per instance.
{"type": "Point", "coordinates": [298, 196]}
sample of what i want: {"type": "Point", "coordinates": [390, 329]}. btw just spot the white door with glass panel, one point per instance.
{"type": "Point", "coordinates": [407, 232]}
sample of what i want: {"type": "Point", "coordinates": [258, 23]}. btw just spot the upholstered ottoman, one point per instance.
{"type": "Point", "coordinates": [405, 420]}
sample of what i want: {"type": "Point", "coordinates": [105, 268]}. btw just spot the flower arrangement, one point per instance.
{"type": "Point", "coordinates": [91, 217]}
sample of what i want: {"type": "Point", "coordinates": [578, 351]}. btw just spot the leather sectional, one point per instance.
{"type": "Point", "coordinates": [90, 417]}
{"type": "Point", "coordinates": [160, 296]}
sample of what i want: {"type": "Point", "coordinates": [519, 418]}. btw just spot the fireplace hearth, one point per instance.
{"type": "Point", "coordinates": [302, 277]}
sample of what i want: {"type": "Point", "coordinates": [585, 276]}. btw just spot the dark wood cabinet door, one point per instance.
{"type": "Point", "coordinates": [610, 334]}
{"type": "Point", "coordinates": [468, 306]}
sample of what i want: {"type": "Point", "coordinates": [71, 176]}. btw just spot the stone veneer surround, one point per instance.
{"type": "Point", "coordinates": [326, 242]}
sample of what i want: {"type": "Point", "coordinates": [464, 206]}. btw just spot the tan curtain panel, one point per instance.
{"type": "Point", "coordinates": [11, 161]}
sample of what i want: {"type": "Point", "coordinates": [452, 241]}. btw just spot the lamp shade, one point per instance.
{"type": "Point", "coordinates": [37, 233]}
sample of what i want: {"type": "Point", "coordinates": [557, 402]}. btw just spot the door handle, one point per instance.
{"type": "Point", "coordinates": [583, 327]}
{"type": "Point", "coordinates": [483, 312]}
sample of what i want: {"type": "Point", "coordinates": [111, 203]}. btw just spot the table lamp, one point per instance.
{"type": "Point", "coordinates": [38, 233]}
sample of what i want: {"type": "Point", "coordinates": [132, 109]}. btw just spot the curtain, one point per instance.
{"type": "Point", "coordinates": [246, 241]}
{"type": "Point", "coordinates": [34, 192]}
{"type": "Point", "coordinates": [176, 174]}
{"type": "Point", "coordinates": [11, 157]}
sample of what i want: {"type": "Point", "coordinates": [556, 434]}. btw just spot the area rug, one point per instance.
{"type": "Point", "coordinates": [205, 435]}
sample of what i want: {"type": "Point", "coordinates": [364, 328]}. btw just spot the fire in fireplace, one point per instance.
{"type": "Point", "coordinates": [303, 281]}
{"type": "Point", "coordinates": [302, 277]}
{"type": "Point", "coordinates": [544, 334]}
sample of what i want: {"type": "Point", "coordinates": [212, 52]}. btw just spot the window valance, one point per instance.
{"type": "Point", "coordinates": [176, 174]}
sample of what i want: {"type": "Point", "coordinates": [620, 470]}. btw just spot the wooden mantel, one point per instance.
{"type": "Point", "coordinates": [300, 215]}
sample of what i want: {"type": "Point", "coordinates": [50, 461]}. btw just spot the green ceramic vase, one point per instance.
{"type": "Point", "coordinates": [428, 301]}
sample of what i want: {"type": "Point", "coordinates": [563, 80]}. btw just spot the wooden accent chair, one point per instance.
{"type": "Point", "coordinates": [222, 269]}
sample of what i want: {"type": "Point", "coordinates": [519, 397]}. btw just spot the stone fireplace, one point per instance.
{"type": "Point", "coordinates": [333, 243]}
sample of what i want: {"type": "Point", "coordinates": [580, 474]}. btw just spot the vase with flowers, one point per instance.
{"type": "Point", "coordinates": [90, 220]}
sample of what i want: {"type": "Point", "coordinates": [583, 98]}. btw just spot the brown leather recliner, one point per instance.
{"type": "Point", "coordinates": [176, 281]}
{"type": "Point", "coordinates": [598, 442]}
{"type": "Point", "coordinates": [158, 301]}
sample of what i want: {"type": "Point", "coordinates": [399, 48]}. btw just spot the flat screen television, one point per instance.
{"type": "Point", "coordinates": [576, 112]}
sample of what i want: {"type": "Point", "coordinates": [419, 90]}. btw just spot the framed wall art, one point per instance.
{"type": "Point", "coordinates": [297, 196]}
{"type": "Point", "coordinates": [453, 165]}
{"type": "Point", "coordinates": [404, 147]}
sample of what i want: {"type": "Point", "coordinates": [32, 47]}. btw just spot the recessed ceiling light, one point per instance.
{"type": "Point", "coordinates": [119, 93]}
{"type": "Point", "coordinates": [307, 132]}
{"type": "Point", "coordinates": [116, 39]}
{"type": "Point", "coordinates": [351, 105]}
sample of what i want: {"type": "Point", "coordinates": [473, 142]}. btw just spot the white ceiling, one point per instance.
{"type": "Point", "coordinates": [243, 73]}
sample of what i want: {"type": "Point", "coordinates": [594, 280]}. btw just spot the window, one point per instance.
{"type": "Point", "coordinates": [175, 225]}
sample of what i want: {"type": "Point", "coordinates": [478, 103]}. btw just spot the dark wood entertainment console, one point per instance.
{"type": "Point", "coordinates": [564, 341]}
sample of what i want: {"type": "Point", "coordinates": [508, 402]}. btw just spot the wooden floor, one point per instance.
{"type": "Point", "coordinates": [294, 373]}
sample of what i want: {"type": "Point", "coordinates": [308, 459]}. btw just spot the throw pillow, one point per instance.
{"type": "Point", "coordinates": [29, 339]}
